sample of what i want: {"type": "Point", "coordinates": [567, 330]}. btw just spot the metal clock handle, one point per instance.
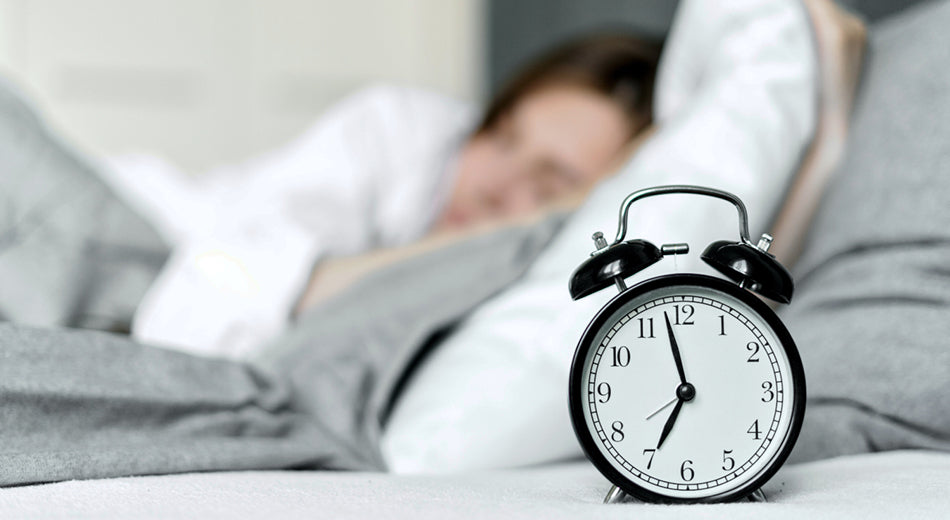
{"type": "Point", "coordinates": [688, 189]}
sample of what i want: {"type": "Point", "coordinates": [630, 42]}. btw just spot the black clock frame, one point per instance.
{"type": "Point", "coordinates": [577, 394]}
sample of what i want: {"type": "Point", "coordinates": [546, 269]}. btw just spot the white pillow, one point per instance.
{"type": "Point", "coordinates": [494, 394]}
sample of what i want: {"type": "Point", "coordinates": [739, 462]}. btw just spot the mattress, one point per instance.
{"type": "Point", "coordinates": [903, 484]}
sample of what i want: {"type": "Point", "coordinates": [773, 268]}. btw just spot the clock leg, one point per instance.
{"type": "Point", "coordinates": [614, 495]}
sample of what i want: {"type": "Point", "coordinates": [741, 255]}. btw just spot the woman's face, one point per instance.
{"type": "Point", "coordinates": [554, 144]}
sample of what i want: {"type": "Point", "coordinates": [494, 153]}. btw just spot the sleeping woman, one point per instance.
{"type": "Point", "coordinates": [383, 168]}
{"type": "Point", "coordinates": [220, 265]}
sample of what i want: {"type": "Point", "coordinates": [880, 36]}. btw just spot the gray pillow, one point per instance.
{"type": "Point", "coordinates": [872, 311]}
{"type": "Point", "coordinates": [71, 253]}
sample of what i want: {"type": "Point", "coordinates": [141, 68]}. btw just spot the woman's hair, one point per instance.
{"type": "Point", "coordinates": [620, 67]}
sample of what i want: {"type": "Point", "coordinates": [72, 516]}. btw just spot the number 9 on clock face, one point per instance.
{"type": "Point", "coordinates": [687, 388]}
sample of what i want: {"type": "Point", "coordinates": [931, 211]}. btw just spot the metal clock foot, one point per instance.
{"type": "Point", "coordinates": [614, 495]}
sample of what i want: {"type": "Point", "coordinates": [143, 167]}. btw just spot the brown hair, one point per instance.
{"type": "Point", "coordinates": [621, 67]}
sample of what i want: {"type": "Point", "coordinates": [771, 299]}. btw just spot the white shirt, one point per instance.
{"type": "Point", "coordinates": [373, 171]}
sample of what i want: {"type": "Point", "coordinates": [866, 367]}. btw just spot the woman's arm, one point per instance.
{"type": "Point", "coordinates": [362, 177]}
{"type": "Point", "coordinates": [333, 275]}
{"type": "Point", "coordinates": [841, 39]}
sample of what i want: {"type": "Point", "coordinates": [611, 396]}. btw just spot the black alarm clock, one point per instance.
{"type": "Point", "coordinates": [686, 387]}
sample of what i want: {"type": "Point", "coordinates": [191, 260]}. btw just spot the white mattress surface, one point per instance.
{"type": "Point", "coordinates": [903, 485]}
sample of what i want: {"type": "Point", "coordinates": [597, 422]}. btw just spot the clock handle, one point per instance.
{"type": "Point", "coordinates": [748, 264]}
{"type": "Point", "coordinates": [688, 189]}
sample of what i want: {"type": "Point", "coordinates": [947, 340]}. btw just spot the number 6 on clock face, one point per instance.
{"type": "Point", "coordinates": [687, 388]}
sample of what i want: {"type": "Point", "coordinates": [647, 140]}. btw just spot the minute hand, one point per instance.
{"type": "Point", "coordinates": [676, 350]}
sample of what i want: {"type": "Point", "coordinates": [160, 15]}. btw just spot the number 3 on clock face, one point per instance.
{"type": "Point", "coordinates": [687, 388]}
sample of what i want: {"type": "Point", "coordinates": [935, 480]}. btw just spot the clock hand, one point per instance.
{"type": "Point", "coordinates": [676, 350]}
{"type": "Point", "coordinates": [669, 422]}
{"type": "Point", "coordinates": [684, 393]}
{"type": "Point", "coordinates": [658, 410]}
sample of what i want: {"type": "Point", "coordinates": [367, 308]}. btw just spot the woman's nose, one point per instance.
{"type": "Point", "coordinates": [522, 197]}
{"type": "Point", "coordinates": [512, 194]}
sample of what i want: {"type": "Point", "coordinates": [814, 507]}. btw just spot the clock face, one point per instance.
{"type": "Point", "coordinates": [687, 388]}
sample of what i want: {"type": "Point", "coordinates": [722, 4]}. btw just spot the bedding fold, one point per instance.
{"type": "Point", "coordinates": [80, 404]}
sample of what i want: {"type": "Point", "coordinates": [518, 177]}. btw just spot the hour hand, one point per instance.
{"type": "Point", "coordinates": [669, 423]}
{"type": "Point", "coordinates": [684, 393]}
{"type": "Point", "coordinates": [676, 350]}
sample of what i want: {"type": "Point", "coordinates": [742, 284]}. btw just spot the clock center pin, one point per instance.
{"type": "Point", "coordinates": [686, 392]}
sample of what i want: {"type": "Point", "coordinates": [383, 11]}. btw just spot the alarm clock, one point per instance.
{"type": "Point", "coordinates": [686, 387]}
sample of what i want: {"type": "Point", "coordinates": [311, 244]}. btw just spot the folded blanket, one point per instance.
{"type": "Point", "coordinates": [85, 404]}
{"type": "Point", "coordinates": [71, 253]}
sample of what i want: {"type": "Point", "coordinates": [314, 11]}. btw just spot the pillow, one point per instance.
{"type": "Point", "coordinates": [871, 310]}
{"type": "Point", "coordinates": [71, 253]}
{"type": "Point", "coordinates": [494, 393]}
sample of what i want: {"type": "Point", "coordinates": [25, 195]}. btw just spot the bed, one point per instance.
{"type": "Point", "coordinates": [872, 304]}
{"type": "Point", "coordinates": [901, 484]}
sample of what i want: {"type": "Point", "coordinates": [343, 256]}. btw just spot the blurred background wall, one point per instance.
{"type": "Point", "coordinates": [210, 81]}
{"type": "Point", "coordinates": [519, 29]}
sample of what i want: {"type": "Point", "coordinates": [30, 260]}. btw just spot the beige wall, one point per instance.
{"type": "Point", "coordinates": [210, 81]}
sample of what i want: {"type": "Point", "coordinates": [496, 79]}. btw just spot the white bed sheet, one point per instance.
{"type": "Point", "coordinates": [904, 485]}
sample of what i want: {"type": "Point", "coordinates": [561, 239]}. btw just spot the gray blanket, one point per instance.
{"type": "Point", "coordinates": [86, 404]}
{"type": "Point", "coordinates": [872, 311]}
{"type": "Point", "coordinates": [71, 254]}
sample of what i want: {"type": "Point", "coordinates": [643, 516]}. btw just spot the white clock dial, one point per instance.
{"type": "Point", "coordinates": [707, 432]}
